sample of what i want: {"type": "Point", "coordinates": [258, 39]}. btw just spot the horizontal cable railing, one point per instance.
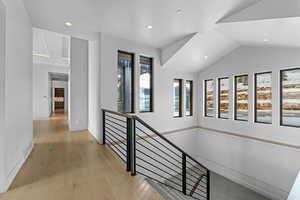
{"type": "Point", "coordinates": [116, 135]}
{"type": "Point", "coordinates": [149, 153]}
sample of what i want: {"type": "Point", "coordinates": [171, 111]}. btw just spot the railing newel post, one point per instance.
{"type": "Point", "coordinates": [133, 148]}
{"type": "Point", "coordinates": [128, 143]}
{"type": "Point", "coordinates": [208, 185]}
{"type": "Point", "coordinates": [103, 127]}
{"type": "Point", "coordinates": [183, 173]}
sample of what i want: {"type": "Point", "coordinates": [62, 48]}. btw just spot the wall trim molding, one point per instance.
{"type": "Point", "coordinates": [233, 134]}
{"type": "Point", "coordinates": [225, 133]}
{"type": "Point", "coordinates": [252, 138]}
{"type": "Point", "coordinates": [179, 130]}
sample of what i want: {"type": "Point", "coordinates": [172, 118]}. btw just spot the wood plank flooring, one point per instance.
{"type": "Point", "coordinates": [73, 166]}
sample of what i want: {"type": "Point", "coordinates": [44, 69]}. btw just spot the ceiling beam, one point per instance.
{"type": "Point", "coordinates": [265, 9]}
{"type": "Point", "coordinates": [168, 52]}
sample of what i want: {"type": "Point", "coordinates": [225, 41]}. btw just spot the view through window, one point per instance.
{"type": "Point", "coordinates": [241, 98]}
{"type": "Point", "coordinates": [146, 84]}
{"type": "Point", "coordinates": [189, 98]}
{"type": "Point", "coordinates": [224, 98]}
{"type": "Point", "coordinates": [209, 98]}
{"type": "Point", "coordinates": [263, 97]}
{"type": "Point", "coordinates": [125, 82]}
{"type": "Point", "coordinates": [177, 98]}
{"type": "Point", "coordinates": [290, 97]}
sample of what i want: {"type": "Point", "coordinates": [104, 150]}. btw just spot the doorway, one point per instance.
{"type": "Point", "coordinates": [59, 91]}
{"type": "Point", "coordinates": [59, 99]}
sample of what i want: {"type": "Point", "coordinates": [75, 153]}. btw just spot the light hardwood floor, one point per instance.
{"type": "Point", "coordinates": [73, 166]}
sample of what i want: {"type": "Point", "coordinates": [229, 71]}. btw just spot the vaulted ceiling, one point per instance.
{"type": "Point", "coordinates": [191, 34]}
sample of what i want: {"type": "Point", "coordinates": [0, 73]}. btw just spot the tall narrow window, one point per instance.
{"type": "Point", "coordinates": [290, 97]}
{"type": "Point", "coordinates": [146, 84]}
{"type": "Point", "coordinates": [263, 97]}
{"type": "Point", "coordinates": [177, 98]}
{"type": "Point", "coordinates": [241, 98]}
{"type": "Point", "coordinates": [125, 99]}
{"type": "Point", "coordinates": [189, 98]}
{"type": "Point", "coordinates": [223, 98]}
{"type": "Point", "coordinates": [209, 98]}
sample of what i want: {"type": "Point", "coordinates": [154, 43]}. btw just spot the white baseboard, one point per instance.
{"type": "Point", "coordinates": [252, 183]}
{"type": "Point", "coordinates": [11, 176]}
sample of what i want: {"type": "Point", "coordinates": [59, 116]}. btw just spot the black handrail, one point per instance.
{"type": "Point", "coordinates": [189, 167]}
{"type": "Point", "coordinates": [154, 131]}
{"type": "Point", "coordinates": [165, 139]}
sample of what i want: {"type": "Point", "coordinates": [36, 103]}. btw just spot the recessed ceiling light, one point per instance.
{"type": "Point", "coordinates": [179, 11]}
{"type": "Point", "coordinates": [149, 27]}
{"type": "Point", "coordinates": [68, 24]}
{"type": "Point", "coordinates": [266, 40]}
{"type": "Point", "coordinates": [205, 57]}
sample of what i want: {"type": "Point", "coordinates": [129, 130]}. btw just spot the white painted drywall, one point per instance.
{"type": "Point", "coordinates": [94, 124]}
{"type": "Point", "coordinates": [62, 84]}
{"type": "Point", "coordinates": [295, 192]}
{"type": "Point", "coordinates": [78, 110]}
{"type": "Point", "coordinates": [162, 117]}
{"type": "Point", "coordinates": [275, 168]}
{"type": "Point", "coordinates": [18, 90]}
{"type": "Point", "coordinates": [2, 94]}
{"type": "Point", "coordinates": [250, 60]}
{"type": "Point", "coordinates": [41, 93]}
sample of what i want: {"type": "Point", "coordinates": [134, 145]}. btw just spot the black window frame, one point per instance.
{"type": "Point", "coordinates": [151, 83]}
{"type": "Point", "coordinates": [255, 96]}
{"type": "Point", "coordinates": [205, 98]}
{"type": "Point", "coordinates": [235, 98]}
{"type": "Point", "coordinates": [132, 79]}
{"type": "Point", "coordinates": [281, 97]}
{"type": "Point", "coordinates": [191, 98]}
{"type": "Point", "coordinates": [180, 97]}
{"type": "Point", "coordinates": [219, 96]}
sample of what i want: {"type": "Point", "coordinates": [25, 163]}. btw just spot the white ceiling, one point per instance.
{"type": "Point", "coordinates": [279, 32]}
{"type": "Point", "coordinates": [266, 9]}
{"type": "Point", "coordinates": [129, 18]}
{"type": "Point", "coordinates": [217, 27]}
{"type": "Point", "coordinates": [201, 51]}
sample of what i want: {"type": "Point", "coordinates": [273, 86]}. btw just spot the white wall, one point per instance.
{"type": "Point", "coordinates": [162, 117]}
{"type": "Point", "coordinates": [274, 166]}
{"type": "Point", "coordinates": [78, 110]}
{"type": "Point", "coordinates": [17, 136]}
{"type": "Point", "coordinates": [61, 84]}
{"type": "Point", "coordinates": [41, 94]}
{"type": "Point", "coordinates": [295, 192]}
{"type": "Point", "coordinates": [2, 94]}
{"type": "Point", "coordinates": [94, 89]}
{"type": "Point", "coordinates": [103, 85]}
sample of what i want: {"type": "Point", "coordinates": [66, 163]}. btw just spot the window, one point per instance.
{"type": "Point", "coordinates": [263, 97]}
{"type": "Point", "coordinates": [223, 111]}
{"type": "Point", "coordinates": [290, 97]}
{"type": "Point", "coordinates": [177, 98]}
{"type": "Point", "coordinates": [209, 98]}
{"type": "Point", "coordinates": [189, 98]}
{"type": "Point", "coordinates": [146, 84]}
{"type": "Point", "coordinates": [241, 98]}
{"type": "Point", "coordinates": [125, 82]}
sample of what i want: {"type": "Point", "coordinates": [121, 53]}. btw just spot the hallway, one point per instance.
{"type": "Point", "coordinates": [73, 166]}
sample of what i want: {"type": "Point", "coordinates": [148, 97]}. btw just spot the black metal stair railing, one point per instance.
{"type": "Point", "coordinates": [147, 152]}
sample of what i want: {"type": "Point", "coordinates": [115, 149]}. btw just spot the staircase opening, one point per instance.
{"type": "Point", "coordinates": [173, 172]}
